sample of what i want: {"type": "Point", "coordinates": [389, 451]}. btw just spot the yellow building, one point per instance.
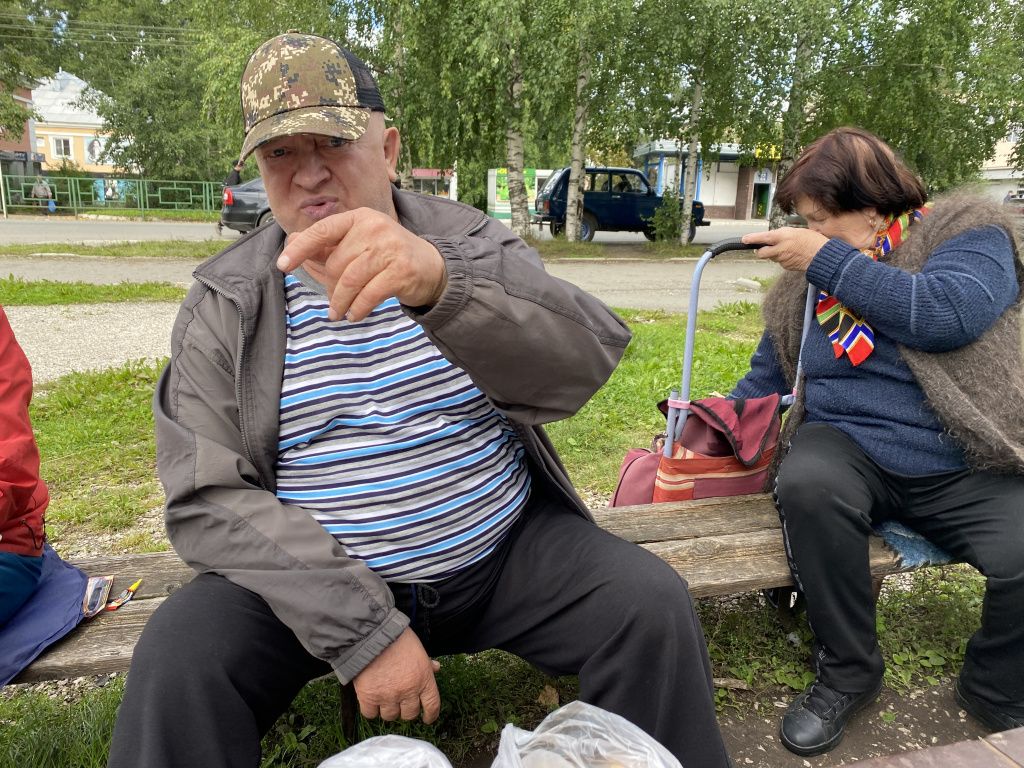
{"type": "Point", "coordinates": [65, 130]}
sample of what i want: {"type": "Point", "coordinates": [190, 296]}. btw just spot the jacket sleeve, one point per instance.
{"type": "Point", "coordinates": [21, 489]}
{"type": "Point", "coordinates": [221, 518]}
{"type": "Point", "coordinates": [967, 283]}
{"type": "Point", "coordinates": [538, 346]}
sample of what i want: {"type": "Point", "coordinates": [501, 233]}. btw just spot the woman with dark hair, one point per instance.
{"type": "Point", "coordinates": [911, 409]}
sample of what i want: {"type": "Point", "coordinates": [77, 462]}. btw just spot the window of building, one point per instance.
{"type": "Point", "coordinates": [61, 147]}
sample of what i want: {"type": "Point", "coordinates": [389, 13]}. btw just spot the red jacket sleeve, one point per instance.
{"type": "Point", "coordinates": [23, 495]}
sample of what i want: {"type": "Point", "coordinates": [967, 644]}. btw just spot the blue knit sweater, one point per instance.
{"type": "Point", "coordinates": [967, 283]}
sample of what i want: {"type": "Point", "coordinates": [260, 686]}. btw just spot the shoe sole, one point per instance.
{"type": "Point", "coordinates": [978, 714]}
{"type": "Point", "coordinates": [832, 743]}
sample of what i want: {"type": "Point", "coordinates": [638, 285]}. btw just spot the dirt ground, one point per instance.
{"type": "Point", "coordinates": [893, 724]}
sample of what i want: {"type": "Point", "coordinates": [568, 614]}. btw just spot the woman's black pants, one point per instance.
{"type": "Point", "coordinates": [829, 494]}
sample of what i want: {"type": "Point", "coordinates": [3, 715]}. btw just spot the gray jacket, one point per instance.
{"type": "Point", "coordinates": [537, 346]}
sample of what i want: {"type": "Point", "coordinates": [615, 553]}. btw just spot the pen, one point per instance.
{"type": "Point", "coordinates": [124, 597]}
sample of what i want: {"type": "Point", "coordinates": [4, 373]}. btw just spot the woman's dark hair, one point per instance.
{"type": "Point", "coordinates": [850, 169]}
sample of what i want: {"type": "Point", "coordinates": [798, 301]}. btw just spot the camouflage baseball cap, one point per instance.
{"type": "Point", "coordinates": [297, 83]}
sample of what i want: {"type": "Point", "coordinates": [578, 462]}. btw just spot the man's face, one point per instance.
{"type": "Point", "coordinates": [309, 177]}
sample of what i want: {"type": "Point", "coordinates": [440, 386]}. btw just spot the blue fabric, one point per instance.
{"type": "Point", "coordinates": [913, 548]}
{"type": "Point", "coordinates": [968, 282]}
{"type": "Point", "coordinates": [19, 577]}
{"type": "Point", "coordinates": [53, 611]}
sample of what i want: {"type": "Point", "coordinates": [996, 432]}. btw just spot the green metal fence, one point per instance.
{"type": "Point", "coordinates": [122, 193]}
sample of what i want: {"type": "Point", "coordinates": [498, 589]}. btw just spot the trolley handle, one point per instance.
{"type": "Point", "coordinates": [732, 244]}
{"type": "Point", "coordinates": [677, 414]}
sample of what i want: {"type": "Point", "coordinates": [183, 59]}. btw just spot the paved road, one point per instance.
{"type": "Point", "coordinates": [58, 340]}
{"type": "Point", "coordinates": [34, 229]}
{"type": "Point", "coordinates": [661, 285]}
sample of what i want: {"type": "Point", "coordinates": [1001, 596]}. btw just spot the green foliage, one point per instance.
{"type": "Point", "coordinates": [667, 221]}
{"type": "Point", "coordinates": [15, 291]}
{"type": "Point", "coordinates": [26, 55]}
{"type": "Point", "coordinates": [947, 599]}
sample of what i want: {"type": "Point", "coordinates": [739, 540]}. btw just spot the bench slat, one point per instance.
{"type": "Point", "coordinates": [99, 645]}
{"type": "Point", "coordinates": [161, 572]}
{"type": "Point", "coordinates": [720, 546]}
{"type": "Point", "coordinates": [678, 520]}
{"type": "Point", "coordinates": [724, 565]}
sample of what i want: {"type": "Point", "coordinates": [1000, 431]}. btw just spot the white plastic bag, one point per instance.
{"type": "Point", "coordinates": [389, 752]}
{"type": "Point", "coordinates": [581, 735]}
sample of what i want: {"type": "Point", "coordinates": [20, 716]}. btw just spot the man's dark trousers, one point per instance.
{"type": "Point", "coordinates": [214, 668]}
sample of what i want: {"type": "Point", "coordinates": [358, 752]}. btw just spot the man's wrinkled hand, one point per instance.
{"type": "Point", "coordinates": [791, 248]}
{"type": "Point", "coordinates": [400, 683]}
{"type": "Point", "coordinates": [363, 257]}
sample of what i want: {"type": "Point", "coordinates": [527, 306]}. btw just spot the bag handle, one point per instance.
{"type": "Point", "coordinates": [679, 400]}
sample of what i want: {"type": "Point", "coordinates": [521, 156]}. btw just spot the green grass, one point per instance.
{"type": "Point", "coordinates": [560, 248]}
{"type": "Point", "coordinates": [101, 475]}
{"type": "Point", "coordinates": [193, 250]}
{"type": "Point", "coordinates": [14, 291]}
{"type": "Point", "coordinates": [624, 414]}
{"type": "Point", "coordinates": [95, 435]}
{"type": "Point", "coordinates": [153, 213]}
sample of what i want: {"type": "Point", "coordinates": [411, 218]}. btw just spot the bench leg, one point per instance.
{"type": "Point", "coordinates": [349, 714]}
{"type": "Point", "coordinates": [876, 586]}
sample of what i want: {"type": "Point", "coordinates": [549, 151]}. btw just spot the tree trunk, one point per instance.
{"type": "Point", "coordinates": [690, 191]}
{"type": "Point", "coordinates": [792, 122]}
{"type": "Point", "coordinates": [514, 150]}
{"type": "Point", "coordinates": [404, 168]}
{"type": "Point", "coordinates": [574, 196]}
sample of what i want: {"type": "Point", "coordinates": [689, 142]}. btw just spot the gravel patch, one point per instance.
{"type": "Point", "coordinates": [83, 337]}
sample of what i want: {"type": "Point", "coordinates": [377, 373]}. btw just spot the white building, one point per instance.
{"type": "Point", "coordinates": [727, 189]}
{"type": "Point", "coordinates": [65, 130]}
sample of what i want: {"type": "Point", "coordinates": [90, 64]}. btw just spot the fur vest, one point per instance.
{"type": "Point", "coordinates": [977, 391]}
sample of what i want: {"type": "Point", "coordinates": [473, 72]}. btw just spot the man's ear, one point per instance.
{"type": "Point", "coordinates": [392, 144]}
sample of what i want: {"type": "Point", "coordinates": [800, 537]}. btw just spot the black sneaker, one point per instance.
{"type": "Point", "coordinates": [815, 720]}
{"type": "Point", "coordinates": [987, 714]}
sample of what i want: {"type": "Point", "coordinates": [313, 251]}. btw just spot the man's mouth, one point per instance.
{"type": "Point", "coordinates": [318, 208]}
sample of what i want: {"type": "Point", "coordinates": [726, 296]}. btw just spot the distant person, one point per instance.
{"type": "Point", "coordinates": [94, 150]}
{"type": "Point", "coordinates": [23, 494]}
{"type": "Point", "coordinates": [42, 193]}
{"type": "Point", "coordinates": [234, 177]}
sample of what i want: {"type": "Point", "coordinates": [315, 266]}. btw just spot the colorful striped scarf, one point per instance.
{"type": "Point", "coordinates": [848, 332]}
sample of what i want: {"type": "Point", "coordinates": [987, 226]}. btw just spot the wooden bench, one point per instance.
{"type": "Point", "coordinates": [720, 546]}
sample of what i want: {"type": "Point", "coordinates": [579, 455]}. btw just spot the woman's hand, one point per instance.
{"type": "Point", "coordinates": [791, 248]}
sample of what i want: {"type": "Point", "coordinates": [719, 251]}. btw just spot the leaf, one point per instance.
{"type": "Point", "coordinates": [548, 698]}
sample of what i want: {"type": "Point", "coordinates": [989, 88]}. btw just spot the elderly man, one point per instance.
{"type": "Point", "coordinates": [348, 436]}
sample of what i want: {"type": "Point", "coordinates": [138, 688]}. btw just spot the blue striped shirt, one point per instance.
{"type": "Point", "coordinates": [391, 447]}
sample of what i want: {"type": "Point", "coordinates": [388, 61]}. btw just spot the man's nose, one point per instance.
{"type": "Point", "coordinates": [312, 170]}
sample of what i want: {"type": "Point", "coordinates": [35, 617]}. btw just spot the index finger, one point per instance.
{"type": "Point", "coordinates": [315, 241]}
{"type": "Point", "coordinates": [759, 238]}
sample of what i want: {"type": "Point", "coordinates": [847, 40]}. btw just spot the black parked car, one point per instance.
{"type": "Point", "coordinates": [245, 207]}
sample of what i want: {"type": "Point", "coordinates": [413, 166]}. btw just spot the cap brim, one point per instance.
{"type": "Point", "coordinates": [343, 122]}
